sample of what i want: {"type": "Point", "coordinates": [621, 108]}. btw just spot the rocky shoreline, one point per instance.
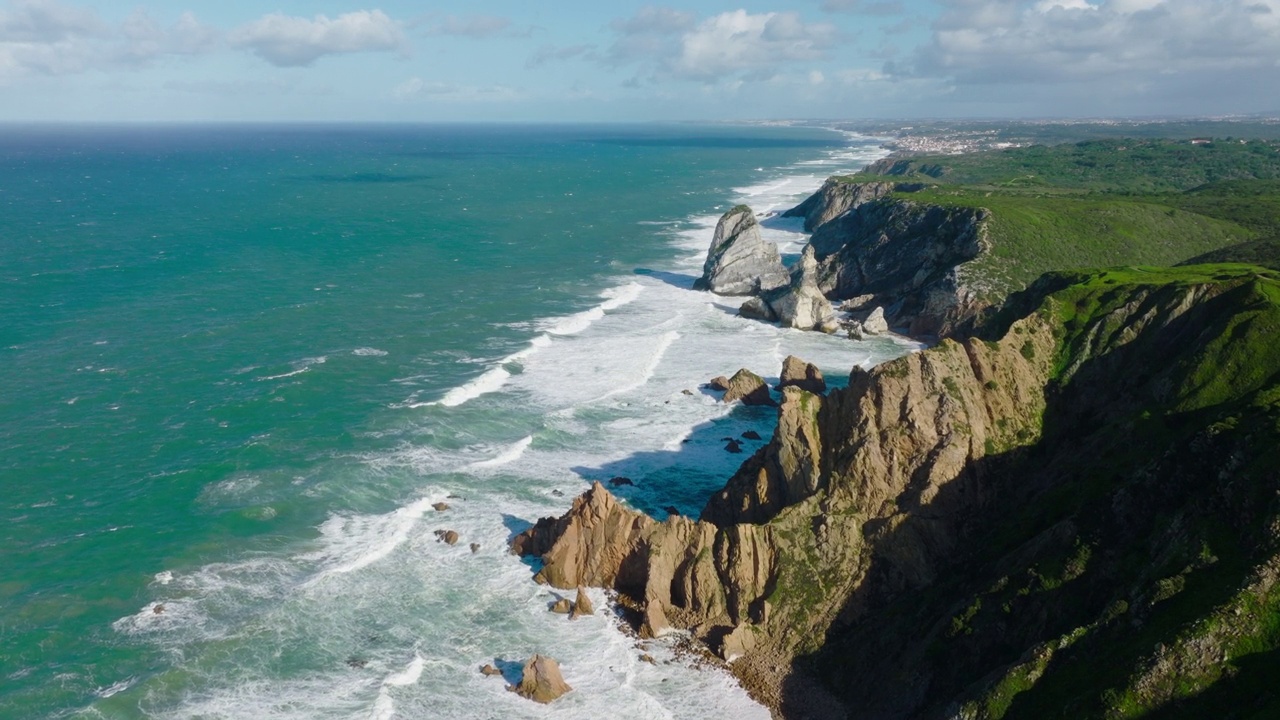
{"type": "Point", "coordinates": [837, 569]}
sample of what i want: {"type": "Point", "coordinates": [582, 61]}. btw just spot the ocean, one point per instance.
{"type": "Point", "coordinates": [241, 364]}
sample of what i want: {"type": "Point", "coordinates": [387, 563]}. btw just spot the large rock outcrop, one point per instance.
{"type": "Point", "coordinates": [1042, 519]}
{"type": "Point", "coordinates": [740, 261]}
{"type": "Point", "coordinates": [835, 198]}
{"type": "Point", "coordinates": [873, 243]}
{"type": "Point", "coordinates": [802, 304]}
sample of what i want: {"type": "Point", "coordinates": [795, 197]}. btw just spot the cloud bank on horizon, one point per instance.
{"type": "Point", "coordinates": [387, 59]}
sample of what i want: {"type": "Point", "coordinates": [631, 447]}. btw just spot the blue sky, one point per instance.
{"type": "Point", "coordinates": [589, 61]}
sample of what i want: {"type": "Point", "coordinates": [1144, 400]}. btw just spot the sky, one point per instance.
{"type": "Point", "coordinates": [499, 60]}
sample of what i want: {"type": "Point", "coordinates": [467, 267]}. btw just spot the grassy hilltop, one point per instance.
{"type": "Point", "coordinates": [1101, 202]}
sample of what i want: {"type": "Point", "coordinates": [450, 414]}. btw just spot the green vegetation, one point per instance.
{"type": "Point", "coordinates": [1128, 564]}
{"type": "Point", "coordinates": [1102, 203]}
{"type": "Point", "coordinates": [1116, 165]}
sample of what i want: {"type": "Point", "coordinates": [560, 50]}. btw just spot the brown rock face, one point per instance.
{"type": "Point", "coordinates": [582, 604]}
{"type": "Point", "coordinates": [563, 606]}
{"type": "Point", "coordinates": [542, 681]}
{"type": "Point", "coordinates": [447, 536]}
{"type": "Point", "coordinates": [749, 388]}
{"type": "Point", "coordinates": [440, 506]}
{"type": "Point", "coordinates": [806, 376]}
{"type": "Point", "coordinates": [681, 573]}
{"type": "Point", "coordinates": [489, 670]}
{"type": "Point", "coordinates": [719, 382]}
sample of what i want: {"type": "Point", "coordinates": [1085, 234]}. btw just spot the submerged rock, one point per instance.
{"type": "Point", "coordinates": [542, 681]}
{"type": "Point", "coordinates": [740, 261]}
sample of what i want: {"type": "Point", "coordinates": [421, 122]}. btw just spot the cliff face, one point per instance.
{"type": "Point", "coordinates": [835, 198]}
{"type": "Point", "coordinates": [1042, 519]}
{"type": "Point", "coordinates": [909, 256]}
{"type": "Point", "coordinates": [740, 261]}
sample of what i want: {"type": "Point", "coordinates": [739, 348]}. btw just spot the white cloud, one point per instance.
{"type": "Point", "coordinates": [52, 38]}
{"type": "Point", "coordinates": [997, 41]}
{"type": "Point", "coordinates": [737, 41]}
{"type": "Point", "coordinates": [289, 41]}
{"type": "Point", "coordinates": [727, 47]}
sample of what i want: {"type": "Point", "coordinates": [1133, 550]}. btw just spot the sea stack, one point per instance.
{"type": "Point", "coordinates": [740, 261]}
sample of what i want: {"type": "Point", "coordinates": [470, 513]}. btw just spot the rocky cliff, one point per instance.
{"type": "Point", "coordinates": [909, 256]}
{"type": "Point", "coordinates": [1069, 513]}
{"type": "Point", "coordinates": [834, 199]}
{"type": "Point", "coordinates": [740, 261]}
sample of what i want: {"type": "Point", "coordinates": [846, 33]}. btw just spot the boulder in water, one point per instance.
{"type": "Point", "coordinates": [749, 388]}
{"type": "Point", "coordinates": [806, 376]}
{"type": "Point", "coordinates": [542, 681]}
{"type": "Point", "coordinates": [740, 261]}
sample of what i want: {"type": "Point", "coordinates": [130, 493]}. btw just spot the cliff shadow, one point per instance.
{"type": "Point", "coordinates": [1082, 530]}
{"type": "Point", "coordinates": [683, 478]}
{"type": "Point", "coordinates": [680, 280]}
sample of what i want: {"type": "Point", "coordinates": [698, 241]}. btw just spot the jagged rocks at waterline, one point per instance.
{"type": "Point", "coordinates": [562, 606]}
{"type": "Point", "coordinates": [488, 670]}
{"type": "Point", "coordinates": [740, 261]}
{"type": "Point", "coordinates": [449, 537]}
{"type": "Point", "coordinates": [798, 373]}
{"type": "Point", "coordinates": [541, 681]}
{"type": "Point", "coordinates": [757, 309]}
{"type": "Point", "coordinates": [748, 387]}
{"type": "Point", "coordinates": [440, 506]}
{"type": "Point", "coordinates": [719, 382]}
{"type": "Point", "coordinates": [582, 604]}
{"type": "Point", "coordinates": [802, 305]}
{"type": "Point", "coordinates": [875, 324]}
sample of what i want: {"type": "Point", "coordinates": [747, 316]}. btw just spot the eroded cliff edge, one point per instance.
{"type": "Point", "coordinates": [1053, 516]}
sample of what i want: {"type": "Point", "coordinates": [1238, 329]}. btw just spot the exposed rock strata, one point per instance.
{"type": "Point", "coordinates": [740, 261]}
{"type": "Point", "coordinates": [835, 198]}
{"type": "Point", "coordinates": [860, 534]}
{"type": "Point", "coordinates": [907, 256]}
{"type": "Point", "coordinates": [802, 304]}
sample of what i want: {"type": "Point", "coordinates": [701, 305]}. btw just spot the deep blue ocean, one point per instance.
{"type": "Point", "coordinates": [240, 364]}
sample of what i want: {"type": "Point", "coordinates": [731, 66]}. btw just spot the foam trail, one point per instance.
{"type": "Point", "coordinates": [664, 344]}
{"type": "Point", "coordinates": [305, 366]}
{"type": "Point", "coordinates": [507, 456]}
{"type": "Point", "coordinates": [384, 708]}
{"type": "Point", "coordinates": [389, 532]}
{"type": "Point", "coordinates": [491, 381]}
{"type": "Point", "coordinates": [614, 299]}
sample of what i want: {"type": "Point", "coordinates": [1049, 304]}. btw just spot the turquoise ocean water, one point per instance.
{"type": "Point", "coordinates": [241, 363]}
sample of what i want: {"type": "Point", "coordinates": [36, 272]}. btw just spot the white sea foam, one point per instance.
{"type": "Point", "coordinates": [113, 689]}
{"type": "Point", "coordinates": [507, 456]}
{"type": "Point", "coordinates": [298, 368]}
{"type": "Point", "coordinates": [356, 542]}
{"type": "Point", "coordinates": [369, 352]}
{"type": "Point", "coordinates": [376, 586]}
